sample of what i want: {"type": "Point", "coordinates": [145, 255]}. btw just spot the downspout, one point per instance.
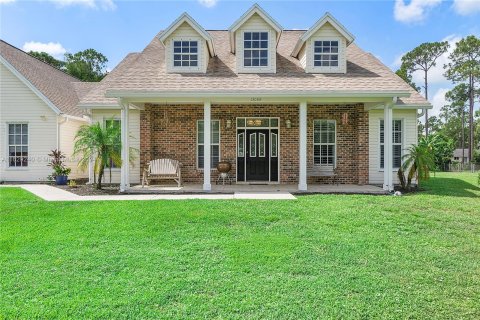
{"type": "Point", "coordinates": [421, 114]}
{"type": "Point", "coordinates": [58, 128]}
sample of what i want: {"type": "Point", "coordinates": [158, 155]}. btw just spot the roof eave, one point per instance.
{"type": "Point", "coordinates": [185, 17]}
{"type": "Point", "coordinates": [120, 93]}
{"type": "Point", "coordinates": [247, 15]}
{"type": "Point", "coordinates": [327, 17]}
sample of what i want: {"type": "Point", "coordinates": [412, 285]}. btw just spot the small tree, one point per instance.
{"type": "Point", "coordinates": [103, 145]}
{"type": "Point", "coordinates": [423, 58]}
{"type": "Point", "coordinates": [418, 162]}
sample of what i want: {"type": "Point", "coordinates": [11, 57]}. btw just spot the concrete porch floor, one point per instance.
{"type": "Point", "coordinates": [255, 188]}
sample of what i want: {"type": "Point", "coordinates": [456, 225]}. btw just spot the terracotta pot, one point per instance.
{"type": "Point", "coordinates": [224, 167]}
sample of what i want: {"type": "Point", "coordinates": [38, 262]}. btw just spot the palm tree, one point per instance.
{"type": "Point", "coordinates": [103, 144]}
{"type": "Point", "coordinates": [418, 161]}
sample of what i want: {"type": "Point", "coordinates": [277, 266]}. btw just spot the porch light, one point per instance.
{"type": "Point", "coordinates": [228, 124]}
{"type": "Point", "coordinates": [288, 123]}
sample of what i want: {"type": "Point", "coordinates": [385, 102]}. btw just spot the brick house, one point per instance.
{"type": "Point", "coordinates": [279, 104]}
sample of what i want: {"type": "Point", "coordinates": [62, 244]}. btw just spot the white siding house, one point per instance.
{"type": "Point", "coordinates": [35, 116]}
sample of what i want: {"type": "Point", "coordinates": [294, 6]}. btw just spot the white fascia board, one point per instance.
{"type": "Point", "coordinates": [98, 106]}
{"type": "Point", "coordinates": [185, 17]}
{"type": "Point", "coordinates": [247, 15]}
{"type": "Point", "coordinates": [29, 85]}
{"type": "Point", "coordinates": [293, 94]}
{"type": "Point", "coordinates": [327, 17]}
{"type": "Point", "coordinates": [83, 119]}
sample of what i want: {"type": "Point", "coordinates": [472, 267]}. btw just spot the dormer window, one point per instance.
{"type": "Point", "coordinates": [185, 53]}
{"type": "Point", "coordinates": [325, 54]}
{"type": "Point", "coordinates": [255, 52]}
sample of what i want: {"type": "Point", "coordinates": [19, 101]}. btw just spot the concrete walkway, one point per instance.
{"type": "Point", "coordinates": [50, 193]}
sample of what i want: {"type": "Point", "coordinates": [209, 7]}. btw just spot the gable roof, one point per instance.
{"type": "Point", "coordinates": [53, 86]}
{"type": "Point", "coordinates": [186, 18]}
{"type": "Point", "coordinates": [327, 18]}
{"type": "Point", "coordinates": [255, 9]}
{"type": "Point", "coordinates": [145, 73]}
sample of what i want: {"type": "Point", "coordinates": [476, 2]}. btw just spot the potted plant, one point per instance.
{"type": "Point", "coordinates": [60, 171]}
{"type": "Point", "coordinates": [61, 174]}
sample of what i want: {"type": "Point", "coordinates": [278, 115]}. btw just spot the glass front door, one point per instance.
{"type": "Point", "coordinates": [257, 150]}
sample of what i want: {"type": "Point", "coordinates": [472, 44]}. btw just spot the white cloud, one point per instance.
{"type": "Point", "coordinates": [415, 11]}
{"type": "Point", "coordinates": [466, 7]}
{"type": "Point", "coordinates": [6, 1]}
{"type": "Point", "coordinates": [54, 49]}
{"type": "Point", "coordinates": [94, 4]}
{"type": "Point", "coordinates": [208, 3]}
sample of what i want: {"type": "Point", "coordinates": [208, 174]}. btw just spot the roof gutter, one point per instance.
{"type": "Point", "coordinates": [129, 94]}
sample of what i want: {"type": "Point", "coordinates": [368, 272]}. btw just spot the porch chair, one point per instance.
{"type": "Point", "coordinates": [162, 169]}
{"type": "Point", "coordinates": [318, 171]}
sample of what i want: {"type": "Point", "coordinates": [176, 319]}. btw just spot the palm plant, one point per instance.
{"type": "Point", "coordinates": [419, 161]}
{"type": "Point", "coordinates": [103, 145]}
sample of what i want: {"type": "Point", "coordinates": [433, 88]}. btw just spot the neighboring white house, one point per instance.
{"type": "Point", "coordinates": [38, 113]}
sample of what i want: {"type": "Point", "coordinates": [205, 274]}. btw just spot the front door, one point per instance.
{"type": "Point", "coordinates": [257, 155]}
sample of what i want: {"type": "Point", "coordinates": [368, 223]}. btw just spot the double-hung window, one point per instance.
{"type": "Point", "coordinates": [325, 53]}
{"type": "Point", "coordinates": [214, 144]}
{"type": "Point", "coordinates": [115, 124]}
{"type": "Point", "coordinates": [397, 142]}
{"type": "Point", "coordinates": [255, 49]}
{"type": "Point", "coordinates": [185, 53]}
{"type": "Point", "coordinates": [324, 143]}
{"type": "Point", "coordinates": [17, 145]}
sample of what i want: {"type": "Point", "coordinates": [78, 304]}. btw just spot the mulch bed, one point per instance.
{"type": "Point", "coordinates": [91, 190]}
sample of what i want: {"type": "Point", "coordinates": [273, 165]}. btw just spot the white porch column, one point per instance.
{"type": "Point", "coordinates": [387, 148]}
{"type": "Point", "coordinates": [125, 169]}
{"type": "Point", "coordinates": [302, 121]}
{"type": "Point", "coordinates": [206, 145]}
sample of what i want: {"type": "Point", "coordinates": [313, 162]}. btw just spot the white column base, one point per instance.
{"type": "Point", "coordinates": [302, 187]}
{"type": "Point", "coordinates": [207, 187]}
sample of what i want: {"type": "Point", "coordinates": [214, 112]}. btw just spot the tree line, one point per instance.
{"type": "Point", "coordinates": [87, 65]}
{"type": "Point", "coordinates": [458, 125]}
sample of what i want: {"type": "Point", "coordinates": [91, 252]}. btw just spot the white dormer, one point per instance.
{"type": "Point", "coordinates": [322, 49]}
{"type": "Point", "coordinates": [188, 47]}
{"type": "Point", "coordinates": [253, 39]}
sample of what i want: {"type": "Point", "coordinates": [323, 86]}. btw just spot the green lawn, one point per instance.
{"type": "Point", "coordinates": [322, 256]}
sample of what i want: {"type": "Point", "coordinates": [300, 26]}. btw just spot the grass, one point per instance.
{"type": "Point", "coordinates": [322, 256]}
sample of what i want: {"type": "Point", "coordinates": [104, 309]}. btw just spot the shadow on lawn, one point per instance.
{"type": "Point", "coordinates": [451, 187]}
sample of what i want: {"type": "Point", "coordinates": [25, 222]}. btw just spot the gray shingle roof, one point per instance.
{"type": "Point", "coordinates": [63, 90]}
{"type": "Point", "coordinates": [146, 71]}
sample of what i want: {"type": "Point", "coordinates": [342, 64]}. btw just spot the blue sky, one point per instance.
{"type": "Point", "coordinates": [386, 28]}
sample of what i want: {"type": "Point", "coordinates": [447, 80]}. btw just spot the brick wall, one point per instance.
{"type": "Point", "coordinates": [170, 131]}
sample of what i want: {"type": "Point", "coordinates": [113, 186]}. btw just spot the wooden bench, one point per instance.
{"type": "Point", "coordinates": [162, 169]}
{"type": "Point", "coordinates": [328, 172]}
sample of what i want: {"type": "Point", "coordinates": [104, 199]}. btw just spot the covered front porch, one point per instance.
{"type": "Point", "coordinates": [286, 128]}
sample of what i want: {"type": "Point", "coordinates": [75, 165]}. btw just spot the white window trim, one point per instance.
{"type": "Point", "coordinates": [7, 145]}
{"type": "Point", "coordinates": [189, 69]}
{"type": "Point", "coordinates": [211, 144]}
{"type": "Point", "coordinates": [268, 66]}
{"type": "Point", "coordinates": [394, 169]}
{"type": "Point", "coordinates": [116, 169]}
{"type": "Point", "coordinates": [322, 69]}
{"type": "Point", "coordinates": [319, 144]}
